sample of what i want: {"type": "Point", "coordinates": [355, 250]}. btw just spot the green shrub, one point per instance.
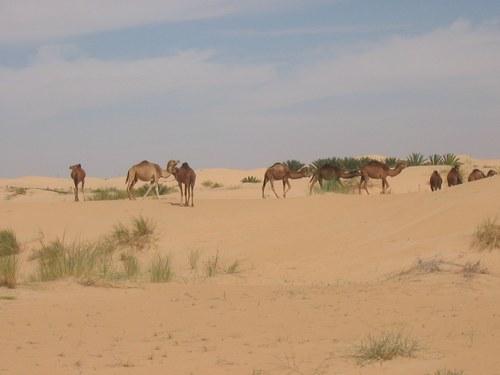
{"type": "Point", "coordinates": [130, 265]}
{"type": "Point", "coordinates": [8, 243]}
{"type": "Point", "coordinates": [8, 270]}
{"type": "Point", "coordinates": [450, 159]}
{"type": "Point", "coordinates": [106, 194]}
{"type": "Point", "coordinates": [415, 159]}
{"type": "Point", "coordinates": [435, 159]}
{"type": "Point", "coordinates": [211, 184]}
{"type": "Point", "coordinates": [161, 270]}
{"type": "Point", "coordinates": [250, 180]}
{"type": "Point", "coordinates": [162, 190]}
{"type": "Point", "coordinates": [385, 347]}
{"type": "Point", "coordinates": [294, 165]}
{"type": "Point", "coordinates": [487, 235]}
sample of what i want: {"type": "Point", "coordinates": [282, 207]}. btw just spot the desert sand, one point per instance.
{"type": "Point", "coordinates": [317, 275]}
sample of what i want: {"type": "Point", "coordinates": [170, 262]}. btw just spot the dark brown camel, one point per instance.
{"type": "Point", "coordinates": [436, 181]}
{"type": "Point", "coordinates": [454, 177]}
{"type": "Point", "coordinates": [491, 173]}
{"type": "Point", "coordinates": [186, 176]}
{"type": "Point", "coordinates": [380, 171]}
{"type": "Point", "coordinates": [78, 176]}
{"type": "Point", "coordinates": [476, 174]}
{"type": "Point", "coordinates": [280, 171]}
{"type": "Point", "coordinates": [330, 172]}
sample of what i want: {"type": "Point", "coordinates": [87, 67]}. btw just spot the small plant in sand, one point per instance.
{"type": "Point", "coordinates": [193, 258]}
{"type": "Point", "coordinates": [450, 159]}
{"type": "Point", "coordinates": [9, 250]}
{"type": "Point", "coordinates": [212, 266]}
{"type": "Point", "coordinates": [385, 347]}
{"type": "Point", "coordinates": [211, 184]}
{"type": "Point", "coordinates": [487, 235]}
{"type": "Point", "coordinates": [58, 259]}
{"type": "Point", "coordinates": [336, 186]}
{"type": "Point", "coordinates": [250, 180]}
{"type": "Point", "coordinates": [470, 269]}
{"type": "Point", "coordinates": [108, 194]}
{"type": "Point", "coordinates": [447, 372]}
{"type": "Point", "coordinates": [233, 268]}
{"type": "Point", "coordinates": [130, 265]}
{"type": "Point", "coordinates": [14, 191]}
{"type": "Point", "coordinates": [435, 159]}
{"type": "Point", "coordinates": [161, 269]}
{"type": "Point", "coordinates": [139, 236]}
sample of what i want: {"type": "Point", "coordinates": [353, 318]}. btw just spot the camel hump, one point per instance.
{"type": "Point", "coordinates": [276, 164]}
{"type": "Point", "coordinates": [376, 163]}
{"type": "Point", "coordinates": [143, 162]}
{"type": "Point", "coordinates": [185, 165]}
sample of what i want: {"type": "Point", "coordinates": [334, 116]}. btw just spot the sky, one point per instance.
{"type": "Point", "coordinates": [242, 84]}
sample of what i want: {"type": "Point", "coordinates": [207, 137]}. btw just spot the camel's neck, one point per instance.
{"type": "Point", "coordinates": [297, 175]}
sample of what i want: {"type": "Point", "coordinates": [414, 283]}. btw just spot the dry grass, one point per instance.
{"type": "Point", "coordinates": [9, 265]}
{"type": "Point", "coordinates": [448, 372]}
{"type": "Point", "coordinates": [436, 265]}
{"type": "Point", "coordinates": [140, 235]}
{"type": "Point", "coordinates": [487, 235]}
{"type": "Point", "coordinates": [211, 184]}
{"type": "Point", "coordinates": [161, 269]}
{"type": "Point", "coordinates": [212, 266]}
{"type": "Point", "coordinates": [250, 180]}
{"type": "Point", "coordinates": [193, 258]}
{"type": "Point", "coordinates": [130, 265]}
{"type": "Point", "coordinates": [108, 194]}
{"type": "Point", "coordinates": [385, 347]}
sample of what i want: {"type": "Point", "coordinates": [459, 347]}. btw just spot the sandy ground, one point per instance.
{"type": "Point", "coordinates": [317, 275]}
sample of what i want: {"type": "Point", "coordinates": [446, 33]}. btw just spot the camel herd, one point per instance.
{"type": "Point", "coordinates": [186, 177]}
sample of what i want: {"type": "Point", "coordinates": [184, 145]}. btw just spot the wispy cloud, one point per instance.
{"type": "Point", "coordinates": [37, 21]}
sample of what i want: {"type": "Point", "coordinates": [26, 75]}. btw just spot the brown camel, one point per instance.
{"type": "Point", "coordinates": [330, 172]}
{"type": "Point", "coordinates": [78, 176]}
{"type": "Point", "coordinates": [454, 177]}
{"type": "Point", "coordinates": [436, 181]}
{"type": "Point", "coordinates": [380, 171]}
{"type": "Point", "coordinates": [476, 174]}
{"type": "Point", "coordinates": [184, 175]}
{"type": "Point", "coordinates": [491, 173]}
{"type": "Point", "coordinates": [280, 171]}
{"type": "Point", "coordinates": [145, 171]}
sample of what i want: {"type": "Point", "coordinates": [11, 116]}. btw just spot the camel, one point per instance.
{"type": "Point", "coordinates": [330, 172]}
{"type": "Point", "coordinates": [186, 176]}
{"type": "Point", "coordinates": [280, 171]}
{"type": "Point", "coordinates": [454, 177]}
{"type": "Point", "coordinates": [436, 181]}
{"type": "Point", "coordinates": [145, 171]}
{"type": "Point", "coordinates": [78, 176]}
{"type": "Point", "coordinates": [491, 173]}
{"type": "Point", "coordinates": [380, 171]}
{"type": "Point", "coordinates": [476, 174]}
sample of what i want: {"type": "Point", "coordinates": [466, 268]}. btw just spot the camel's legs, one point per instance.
{"type": "Point", "coordinates": [130, 192]}
{"type": "Point", "coordinates": [156, 189]}
{"type": "Point", "coordinates": [182, 195]}
{"type": "Point", "coordinates": [149, 189]}
{"type": "Point", "coordinates": [192, 194]}
{"type": "Point", "coordinates": [385, 185]}
{"type": "Point", "coordinates": [264, 186]}
{"type": "Point", "coordinates": [286, 183]}
{"type": "Point", "coordinates": [272, 187]}
{"type": "Point", "coordinates": [83, 190]}
{"type": "Point", "coordinates": [311, 184]}
{"type": "Point", "coordinates": [76, 190]}
{"type": "Point", "coordinates": [364, 183]}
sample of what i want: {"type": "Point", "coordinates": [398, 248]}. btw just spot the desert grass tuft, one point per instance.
{"type": "Point", "coordinates": [385, 347]}
{"type": "Point", "coordinates": [139, 236]}
{"type": "Point", "coordinates": [448, 372]}
{"type": "Point", "coordinates": [470, 269]}
{"type": "Point", "coordinates": [162, 190]}
{"type": "Point", "coordinates": [161, 269]}
{"type": "Point", "coordinates": [250, 180]}
{"type": "Point", "coordinates": [233, 268]}
{"type": "Point", "coordinates": [487, 235]}
{"type": "Point", "coordinates": [9, 265]}
{"type": "Point", "coordinates": [107, 194]}
{"type": "Point", "coordinates": [193, 258]}
{"type": "Point", "coordinates": [130, 265]}
{"type": "Point", "coordinates": [212, 266]}
{"type": "Point", "coordinates": [211, 184]}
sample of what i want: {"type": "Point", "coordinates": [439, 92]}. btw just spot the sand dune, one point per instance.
{"type": "Point", "coordinates": [317, 276]}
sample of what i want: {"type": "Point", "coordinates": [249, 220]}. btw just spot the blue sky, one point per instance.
{"type": "Point", "coordinates": [243, 84]}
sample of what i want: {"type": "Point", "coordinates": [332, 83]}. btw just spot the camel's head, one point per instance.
{"type": "Point", "coordinates": [75, 166]}
{"type": "Point", "coordinates": [306, 171]}
{"type": "Point", "coordinates": [171, 165]}
{"type": "Point", "coordinates": [491, 173]}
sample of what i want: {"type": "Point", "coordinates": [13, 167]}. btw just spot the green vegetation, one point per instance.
{"type": "Point", "coordinates": [294, 165]}
{"type": "Point", "coordinates": [212, 266]}
{"type": "Point", "coordinates": [193, 258]}
{"type": "Point", "coordinates": [9, 250]}
{"type": "Point", "coordinates": [162, 190]}
{"type": "Point", "coordinates": [139, 236]}
{"type": "Point", "coordinates": [211, 184]}
{"type": "Point", "coordinates": [415, 159]}
{"type": "Point", "coordinates": [336, 186]}
{"type": "Point", "coordinates": [385, 347]}
{"type": "Point", "coordinates": [435, 159]}
{"type": "Point", "coordinates": [161, 269]}
{"type": "Point", "coordinates": [391, 162]}
{"type": "Point", "coordinates": [108, 194]}
{"type": "Point", "coordinates": [487, 235]}
{"type": "Point", "coordinates": [450, 159]}
{"type": "Point", "coordinates": [250, 180]}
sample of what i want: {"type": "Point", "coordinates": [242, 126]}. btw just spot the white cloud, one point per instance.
{"type": "Point", "coordinates": [36, 21]}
